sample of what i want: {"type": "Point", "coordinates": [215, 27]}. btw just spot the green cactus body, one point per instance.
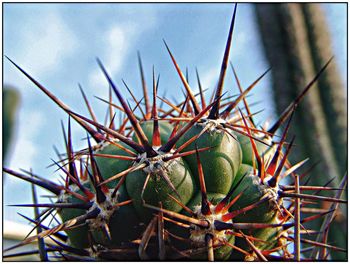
{"type": "Point", "coordinates": [253, 191]}
{"type": "Point", "coordinates": [224, 252]}
{"type": "Point", "coordinates": [123, 230]}
{"type": "Point", "coordinates": [157, 188]}
{"type": "Point", "coordinates": [224, 156]}
{"type": "Point", "coordinates": [120, 230]}
{"type": "Point", "coordinates": [109, 167]}
{"type": "Point", "coordinates": [265, 151]}
{"type": "Point", "coordinates": [213, 198]}
{"type": "Point", "coordinates": [269, 235]}
{"type": "Point", "coordinates": [78, 237]}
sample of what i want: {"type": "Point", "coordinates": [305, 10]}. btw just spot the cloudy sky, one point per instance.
{"type": "Point", "coordinates": [58, 43]}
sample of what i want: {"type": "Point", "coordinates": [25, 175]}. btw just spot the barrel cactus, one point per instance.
{"type": "Point", "coordinates": [196, 181]}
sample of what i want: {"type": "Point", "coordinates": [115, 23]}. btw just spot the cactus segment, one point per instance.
{"type": "Point", "coordinates": [78, 237]}
{"type": "Point", "coordinates": [224, 155]}
{"type": "Point", "coordinates": [109, 166]}
{"type": "Point", "coordinates": [266, 151]}
{"type": "Point", "coordinates": [253, 191]}
{"type": "Point", "coordinates": [123, 231]}
{"type": "Point", "coordinates": [151, 186]}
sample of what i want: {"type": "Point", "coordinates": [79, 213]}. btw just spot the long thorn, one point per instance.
{"type": "Point", "coordinates": [144, 88]}
{"type": "Point", "coordinates": [202, 223]}
{"type": "Point", "coordinates": [185, 83]}
{"type": "Point", "coordinates": [273, 164]}
{"type": "Point", "coordinates": [294, 168]}
{"type": "Point", "coordinates": [50, 186]}
{"type": "Point", "coordinates": [329, 218]}
{"type": "Point", "coordinates": [229, 216]}
{"type": "Point", "coordinates": [209, 242]}
{"type": "Point", "coordinates": [187, 209]}
{"type": "Point", "coordinates": [244, 98]}
{"type": "Point", "coordinates": [121, 174]}
{"type": "Point", "coordinates": [41, 244]}
{"type": "Point", "coordinates": [91, 131]}
{"type": "Point", "coordinates": [222, 203]}
{"type": "Point", "coordinates": [111, 112]}
{"type": "Point", "coordinates": [161, 238]}
{"type": "Point", "coordinates": [254, 248]}
{"type": "Point", "coordinates": [276, 177]}
{"type": "Point", "coordinates": [92, 114]}
{"type": "Point", "coordinates": [135, 100]}
{"type": "Point", "coordinates": [200, 90]}
{"type": "Point", "coordinates": [232, 105]}
{"type": "Point", "coordinates": [297, 100]}
{"type": "Point", "coordinates": [170, 144]}
{"type": "Point", "coordinates": [84, 206]}
{"type": "Point", "coordinates": [134, 145]}
{"type": "Point", "coordinates": [312, 197]}
{"type": "Point", "coordinates": [68, 224]}
{"type": "Point", "coordinates": [297, 221]}
{"type": "Point", "coordinates": [138, 130]}
{"type": "Point", "coordinates": [101, 190]}
{"type": "Point", "coordinates": [261, 169]}
{"type": "Point", "coordinates": [145, 239]}
{"type": "Point", "coordinates": [156, 140]}
{"type": "Point", "coordinates": [205, 206]}
{"type": "Point", "coordinates": [214, 112]}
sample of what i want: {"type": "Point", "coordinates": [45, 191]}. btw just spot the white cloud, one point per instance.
{"type": "Point", "coordinates": [97, 80]}
{"type": "Point", "coordinates": [117, 43]}
{"type": "Point", "coordinates": [209, 79]}
{"type": "Point", "coordinates": [44, 50]}
{"type": "Point", "coordinates": [24, 148]}
{"type": "Point", "coordinates": [119, 39]}
{"type": "Point", "coordinates": [241, 41]}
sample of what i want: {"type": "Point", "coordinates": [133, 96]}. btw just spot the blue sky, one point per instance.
{"type": "Point", "coordinates": [57, 44]}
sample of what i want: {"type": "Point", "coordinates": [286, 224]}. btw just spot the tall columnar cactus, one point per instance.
{"type": "Point", "coordinates": [10, 104]}
{"type": "Point", "coordinates": [192, 181]}
{"type": "Point", "coordinates": [297, 43]}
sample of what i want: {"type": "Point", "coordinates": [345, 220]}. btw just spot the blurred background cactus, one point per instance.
{"type": "Point", "coordinates": [11, 100]}
{"type": "Point", "coordinates": [297, 43]}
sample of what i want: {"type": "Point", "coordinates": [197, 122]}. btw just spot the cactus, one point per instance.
{"type": "Point", "coordinates": [10, 104]}
{"type": "Point", "coordinates": [297, 43]}
{"type": "Point", "coordinates": [188, 182]}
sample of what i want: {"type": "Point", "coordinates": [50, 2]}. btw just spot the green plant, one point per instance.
{"type": "Point", "coordinates": [10, 103]}
{"type": "Point", "coordinates": [187, 182]}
